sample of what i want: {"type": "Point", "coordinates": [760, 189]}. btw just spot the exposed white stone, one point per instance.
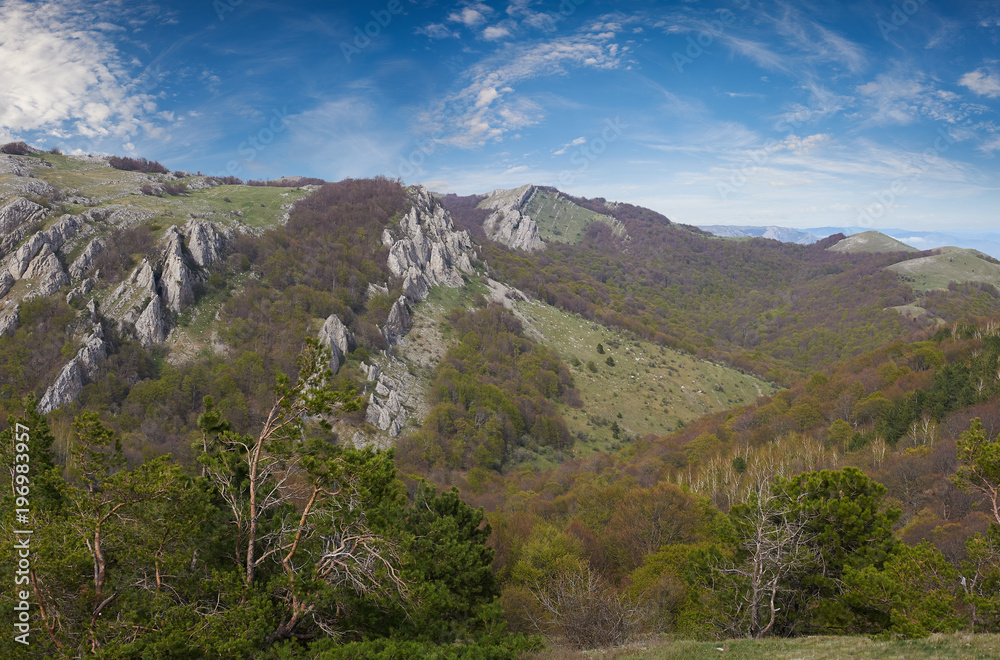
{"type": "Point", "coordinates": [65, 390]}
{"type": "Point", "coordinates": [176, 278]}
{"type": "Point", "coordinates": [47, 272]}
{"type": "Point", "coordinates": [205, 241]}
{"type": "Point", "coordinates": [430, 251]}
{"type": "Point", "coordinates": [83, 263]}
{"type": "Point", "coordinates": [399, 321]}
{"type": "Point", "coordinates": [507, 224]}
{"type": "Point", "coordinates": [21, 259]}
{"type": "Point", "coordinates": [151, 326]}
{"type": "Point", "coordinates": [6, 283]}
{"type": "Point", "coordinates": [335, 336]}
{"type": "Point", "coordinates": [16, 217]}
{"type": "Point", "coordinates": [8, 319]}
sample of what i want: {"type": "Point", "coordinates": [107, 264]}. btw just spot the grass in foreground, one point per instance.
{"type": "Point", "coordinates": [936, 647]}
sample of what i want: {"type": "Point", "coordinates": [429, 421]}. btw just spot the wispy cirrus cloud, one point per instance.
{"type": "Point", "coordinates": [489, 108]}
{"type": "Point", "coordinates": [62, 75]}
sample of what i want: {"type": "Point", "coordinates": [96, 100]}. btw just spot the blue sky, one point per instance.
{"type": "Point", "coordinates": [868, 114]}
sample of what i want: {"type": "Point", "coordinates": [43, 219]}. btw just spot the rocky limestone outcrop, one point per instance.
{"type": "Point", "coordinates": [135, 303]}
{"type": "Point", "coordinates": [21, 259]}
{"type": "Point", "coordinates": [47, 272]}
{"type": "Point", "coordinates": [65, 390]}
{"type": "Point", "coordinates": [64, 229]}
{"type": "Point", "coordinates": [176, 278]}
{"type": "Point", "coordinates": [507, 224]}
{"type": "Point", "coordinates": [430, 251]}
{"type": "Point", "coordinates": [83, 263]}
{"type": "Point", "coordinates": [335, 336]}
{"type": "Point", "coordinates": [8, 319]}
{"type": "Point", "coordinates": [16, 217]}
{"type": "Point", "coordinates": [151, 327]}
{"type": "Point", "coordinates": [81, 290]}
{"type": "Point", "coordinates": [399, 322]}
{"type": "Point", "coordinates": [6, 283]}
{"type": "Point", "coordinates": [205, 241]}
{"type": "Point", "coordinates": [385, 403]}
{"type": "Point", "coordinates": [74, 375]}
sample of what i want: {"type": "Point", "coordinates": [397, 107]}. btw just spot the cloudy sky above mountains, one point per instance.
{"type": "Point", "coordinates": [869, 114]}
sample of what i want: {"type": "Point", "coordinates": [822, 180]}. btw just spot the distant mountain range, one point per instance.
{"type": "Point", "coordinates": [783, 234]}
{"type": "Point", "coordinates": [988, 242]}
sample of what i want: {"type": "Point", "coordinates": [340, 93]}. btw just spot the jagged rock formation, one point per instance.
{"type": "Point", "coordinates": [146, 301]}
{"type": "Point", "coordinates": [16, 217]}
{"type": "Point", "coordinates": [385, 404]}
{"type": "Point", "coordinates": [6, 283]}
{"type": "Point", "coordinates": [71, 379]}
{"type": "Point", "coordinates": [507, 224]}
{"type": "Point", "coordinates": [47, 273]}
{"type": "Point", "coordinates": [429, 252]}
{"type": "Point", "coordinates": [399, 322]}
{"type": "Point", "coordinates": [136, 303]}
{"type": "Point", "coordinates": [205, 241]}
{"type": "Point", "coordinates": [81, 265]}
{"type": "Point", "coordinates": [8, 319]}
{"type": "Point", "coordinates": [176, 278]}
{"type": "Point", "coordinates": [335, 336]}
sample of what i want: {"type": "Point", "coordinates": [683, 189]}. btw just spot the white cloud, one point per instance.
{"type": "Point", "coordinates": [990, 147]}
{"type": "Point", "coordinates": [488, 108]}
{"type": "Point", "coordinates": [436, 31]}
{"type": "Point", "coordinates": [495, 32]}
{"type": "Point", "coordinates": [982, 81]}
{"type": "Point", "coordinates": [61, 75]}
{"type": "Point", "coordinates": [470, 16]}
{"type": "Point", "coordinates": [572, 143]}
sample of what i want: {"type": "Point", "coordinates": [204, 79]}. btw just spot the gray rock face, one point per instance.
{"type": "Point", "coordinates": [205, 241]}
{"type": "Point", "coordinates": [93, 352]}
{"type": "Point", "coordinates": [21, 259]}
{"type": "Point", "coordinates": [399, 321]}
{"type": "Point", "coordinates": [176, 278]}
{"type": "Point", "coordinates": [81, 369]}
{"type": "Point", "coordinates": [65, 228]}
{"type": "Point", "coordinates": [151, 326]}
{"type": "Point", "coordinates": [47, 272]}
{"type": "Point", "coordinates": [430, 252]}
{"type": "Point", "coordinates": [83, 263]}
{"type": "Point", "coordinates": [16, 217]}
{"type": "Point", "coordinates": [6, 282]}
{"type": "Point", "coordinates": [135, 303]}
{"type": "Point", "coordinates": [507, 224]}
{"type": "Point", "coordinates": [335, 336]}
{"type": "Point", "coordinates": [65, 390]}
{"type": "Point", "coordinates": [8, 319]}
{"type": "Point", "coordinates": [385, 404]}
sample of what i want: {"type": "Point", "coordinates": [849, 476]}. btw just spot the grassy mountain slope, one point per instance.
{"type": "Point", "coordinates": [937, 271]}
{"type": "Point", "coordinates": [258, 207]}
{"type": "Point", "coordinates": [561, 220]}
{"type": "Point", "coordinates": [871, 241]}
{"type": "Point", "coordinates": [650, 389]}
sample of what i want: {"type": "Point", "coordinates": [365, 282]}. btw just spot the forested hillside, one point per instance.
{"type": "Point", "coordinates": [308, 419]}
